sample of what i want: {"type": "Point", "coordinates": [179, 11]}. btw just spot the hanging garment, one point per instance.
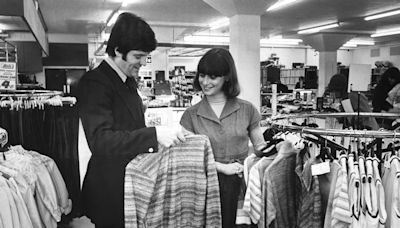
{"type": "Point", "coordinates": [341, 213]}
{"type": "Point", "coordinates": [39, 180]}
{"type": "Point", "coordinates": [354, 192]}
{"type": "Point", "coordinates": [64, 203]}
{"type": "Point", "coordinates": [388, 182]}
{"type": "Point", "coordinates": [309, 210]}
{"type": "Point", "coordinates": [335, 168]}
{"type": "Point", "coordinates": [176, 187]}
{"type": "Point", "coordinates": [380, 194]}
{"type": "Point", "coordinates": [371, 196]}
{"type": "Point", "coordinates": [395, 209]}
{"type": "Point", "coordinates": [282, 188]}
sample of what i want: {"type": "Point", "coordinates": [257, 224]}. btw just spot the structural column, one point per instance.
{"type": "Point", "coordinates": [244, 29]}
{"type": "Point", "coordinates": [327, 44]}
{"type": "Point", "coordinates": [245, 49]}
{"type": "Point", "coordinates": [327, 68]}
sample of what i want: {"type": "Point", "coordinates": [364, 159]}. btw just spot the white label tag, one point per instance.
{"type": "Point", "coordinates": [321, 168]}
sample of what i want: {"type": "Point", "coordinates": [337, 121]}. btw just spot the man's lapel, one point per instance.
{"type": "Point", "coordinates": [121, 89]}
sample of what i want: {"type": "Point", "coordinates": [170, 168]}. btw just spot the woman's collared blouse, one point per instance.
{"type": "Point", "coordinates": [229, 134]}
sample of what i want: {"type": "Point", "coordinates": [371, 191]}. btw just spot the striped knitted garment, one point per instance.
{"type": "Point", "coordinates": [176, 187]}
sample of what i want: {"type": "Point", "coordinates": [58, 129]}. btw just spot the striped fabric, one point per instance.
{"type": "Point", "coordinates": [341, 214]}
{"type": "Point", "coordinates": [176, 187]}
{"type": "Point", "coordinates": [310, 208]}
{"type": "Point", "coordinates": [253, 197]}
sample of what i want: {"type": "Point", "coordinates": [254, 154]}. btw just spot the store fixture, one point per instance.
{"type": "Point", "coordinates": [46, 122]}
{"type": "Point", "coordinates": [182, 87]}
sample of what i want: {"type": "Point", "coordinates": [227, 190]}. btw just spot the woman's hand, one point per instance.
{"type": "Point", "coordinates": [230, 169]}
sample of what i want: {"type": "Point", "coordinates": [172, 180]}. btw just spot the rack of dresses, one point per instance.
{"type": "Point", "coordinates": [323, 178]}
{"type": "Point", "coordinates": [32, 189]}
{"type": "Point", "coordinates": [46, 122]}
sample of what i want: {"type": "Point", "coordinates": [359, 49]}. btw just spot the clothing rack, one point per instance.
{"type": "Point", "coordinates": [271, 122]}
{"type": "Point", "coordinates": [18, 99]}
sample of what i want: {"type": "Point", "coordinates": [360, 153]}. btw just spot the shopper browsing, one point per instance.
{"type": "Point", "coordinates": [388, 80]}
{"type": "Point", "coordinates": [228, 121]}
{"type": "Point", "coordinates": [112, 116]}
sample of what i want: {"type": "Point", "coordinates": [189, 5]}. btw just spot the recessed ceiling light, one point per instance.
{"type": "Point", "coordinates": [387, 32]}
{"type": "Point", "coordinates": [317, 29]}
{"type": "Point", "coordinates": [280, 4]}
{"type": "Point", "coordinates": [381, 15]}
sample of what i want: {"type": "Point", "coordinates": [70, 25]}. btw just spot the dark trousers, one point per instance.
{"type": "Point", "coordinates": [229, 187]}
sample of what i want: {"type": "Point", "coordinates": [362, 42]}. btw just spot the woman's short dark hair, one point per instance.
{"type": "Point", "coordinates": [130, 32]}
{"type": "Point", "coordinates": [219, 62]}
{"type": "Point", "coordinates": [337, 85]}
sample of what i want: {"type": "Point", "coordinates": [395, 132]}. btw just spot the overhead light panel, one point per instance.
{"type": "Point", "coordinates": [280, 41]}
{"type": "Point", "coordinates": [281, 4]}
{"type": "Point", "coordinates": [219, 23]}
{"type": "Point", "coordinates": [356, 42]}
{"type": "Point", "coordinates": [206, 39]}
{"type": "Point", "coordinates": [387, 32]}
{"type": "Point", "coordinates": [317, 29]}
{"type": "Point", "coordinates": [381, 15]}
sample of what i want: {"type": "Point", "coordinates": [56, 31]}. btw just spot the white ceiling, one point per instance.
{"type": "Point", "coordinates": [171, 19]}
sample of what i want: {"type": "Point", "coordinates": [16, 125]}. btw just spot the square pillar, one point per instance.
{"type": "Point", "coordinates": [245, 49]}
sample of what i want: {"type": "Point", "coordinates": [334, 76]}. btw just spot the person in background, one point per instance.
{"type": "Point", "coordinates": [112, 116]}
{"type": "Point", "coordinates": [228, 121]}
{"type": "Point", "coordinates": [281, 88]}
{"type": "Point", "coordinates": [338, 86]}
{"type": "Point", "coordinates": [388, 80]}
{"type": "Point", "coordinates": [300, 83]}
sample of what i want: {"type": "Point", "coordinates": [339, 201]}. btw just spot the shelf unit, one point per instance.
{"type": "Point", "coordinates": [8, 51]}
{"type": "Point", "coordinates": [182, 87]}
{"type": "Point", "coordinates": [290, 77]}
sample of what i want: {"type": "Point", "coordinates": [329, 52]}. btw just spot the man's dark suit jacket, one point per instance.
{"type": "Point", "coordinates": [113, 120]}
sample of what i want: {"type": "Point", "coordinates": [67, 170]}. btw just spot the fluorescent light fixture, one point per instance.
{"type": "Point", "coordinates": [361, 42]}
{"type": "Point", "coordinates": [219, 24]}
{"type": "Point", "coordinates": [266, 41]}
{"type": "Point", "coordinates": [206, 39]}
{"type": "Point", "coordinates": [317, 29]}
{"type": "Point", "coordinates": [280, 4]}
{"type": "Point", "coordinates": [381, 15]}
{"type": "Point", "coordinates": [105, 36]}
{"type": "Point", "coordinates": [124, 3]}
{"type": "Point", "coordinates": [113, 18]}
{"type": "Point", "coordinates": [387, 32]}
{"type": "Point", "coordinates": [349, 45]}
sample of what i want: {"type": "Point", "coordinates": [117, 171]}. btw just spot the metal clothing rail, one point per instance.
{"type": "Point", "coordinates": [336, 115]}
{"type": "Point", "coordinates": [29, 93]}
{"type": "Point", "coordinates": [336, 132]}
{"type": "Point", "coordinates": [339, 132]}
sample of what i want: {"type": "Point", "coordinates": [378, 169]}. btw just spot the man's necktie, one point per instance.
{"type": "Point", "coordinates": [131, 84]}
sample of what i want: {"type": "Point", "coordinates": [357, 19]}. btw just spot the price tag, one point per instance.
{"type": "Point", "coordinates": [321, 168]}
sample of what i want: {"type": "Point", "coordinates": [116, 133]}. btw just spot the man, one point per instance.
{"type": "Point", "coordinates": [112, 116]}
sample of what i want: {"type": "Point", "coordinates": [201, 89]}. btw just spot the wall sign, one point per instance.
{"type": "Point", "coordinates": [8, 75]}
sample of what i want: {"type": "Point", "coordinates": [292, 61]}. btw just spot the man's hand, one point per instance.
{"type": "Point", "coordinates": [168, 136]}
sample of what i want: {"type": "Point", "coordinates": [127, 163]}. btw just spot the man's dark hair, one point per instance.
{"type": "Point", "coordinates": [130, 32]}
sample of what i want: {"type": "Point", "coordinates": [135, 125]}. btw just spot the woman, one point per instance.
{"type": "Point", "coordinates": [388, 80]}
{"type": "Point", "coordinates": [228, 121]}
{"type": "Point", "coordinates": [338, 86]}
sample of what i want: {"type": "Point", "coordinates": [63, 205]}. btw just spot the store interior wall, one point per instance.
{"type": "Point", "coordinates": [363, 56]}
